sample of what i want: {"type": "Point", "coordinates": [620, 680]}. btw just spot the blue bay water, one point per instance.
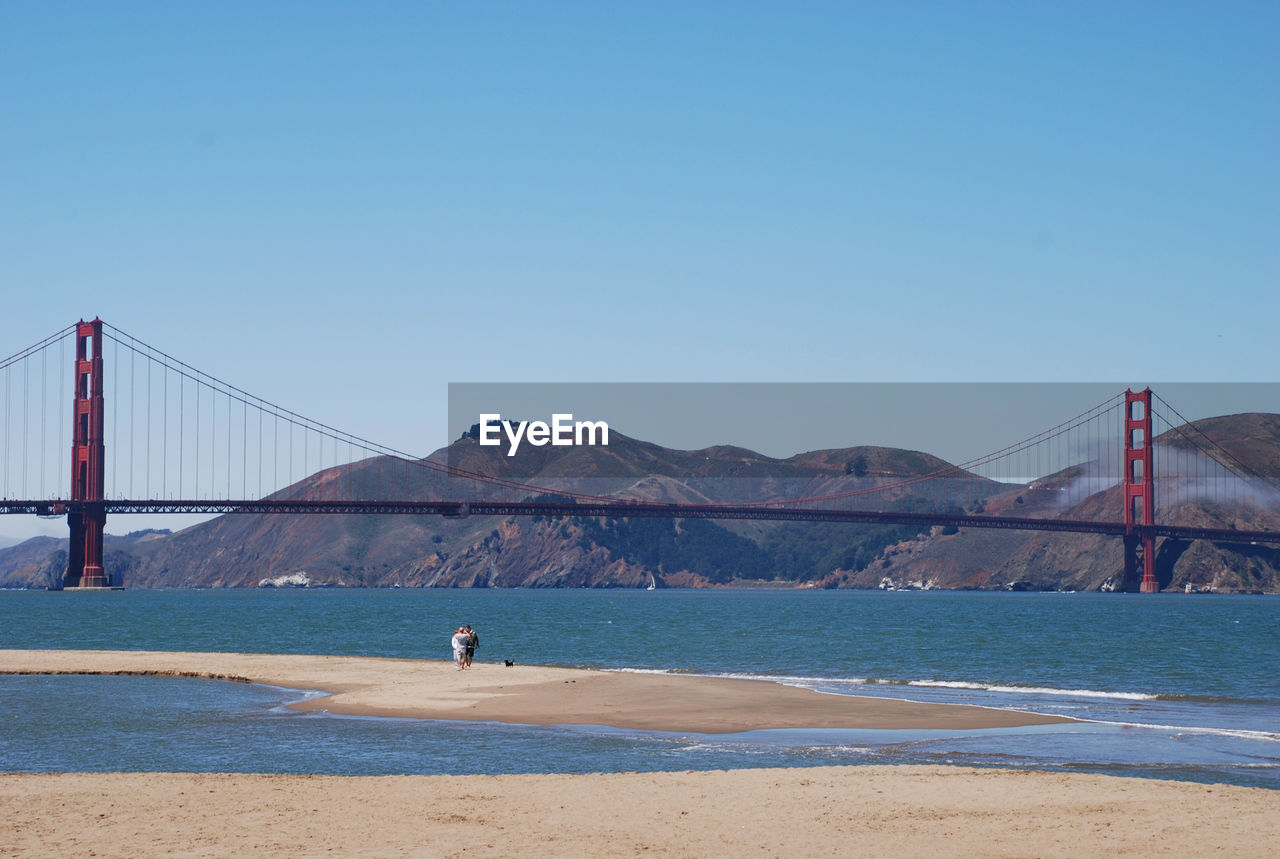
{"type": "Point", "coordinates": [1169, 686]}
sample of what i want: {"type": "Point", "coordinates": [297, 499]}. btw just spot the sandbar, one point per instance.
{"type": "Point", "coordinates": [821, 811]}
{"type": "Point", "coordinates": [537, 695]}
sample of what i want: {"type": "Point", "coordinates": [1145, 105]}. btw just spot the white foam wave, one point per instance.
{"type": "Point", "coordinates": [1033, 690]}
{"type": "Point", "coordinates": [786, 680]}
{"type": "Point", "coordinates": [1239, 733]}
{"type": "Point", "coordinates": [809, 682]}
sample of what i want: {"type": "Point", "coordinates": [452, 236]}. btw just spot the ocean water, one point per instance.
{"type": "Point", "coordinates": [1166, 686]}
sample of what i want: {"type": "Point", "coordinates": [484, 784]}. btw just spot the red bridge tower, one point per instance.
{"type": "Point", "coordinates": [1139, 493]}
{"type": "Point", "coordinates": [87, 514]}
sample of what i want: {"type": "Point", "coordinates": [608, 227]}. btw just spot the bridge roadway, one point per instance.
{"type": "Point", "coordinates": [777, 513]}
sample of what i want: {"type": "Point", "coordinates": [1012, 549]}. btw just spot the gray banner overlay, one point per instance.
{"type": "Point", "coordinates": [958, 423]}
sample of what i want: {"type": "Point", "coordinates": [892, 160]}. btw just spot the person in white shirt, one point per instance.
{"type": "Point", "coordinates": [460, 639]}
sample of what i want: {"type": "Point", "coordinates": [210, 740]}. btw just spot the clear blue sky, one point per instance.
{"type": "Point", "coordinates": [343, 207]}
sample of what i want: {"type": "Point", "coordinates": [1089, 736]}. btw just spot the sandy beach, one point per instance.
{"type": "Point", "coordinates": [899, 811]}
{"type": "Point", "coordinates": [828, 811]}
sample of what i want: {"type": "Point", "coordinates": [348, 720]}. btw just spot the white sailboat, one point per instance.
{"type": "Point", "coordinates": [653, 584]}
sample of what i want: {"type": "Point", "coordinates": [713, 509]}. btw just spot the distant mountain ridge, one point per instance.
{"type": "Point", "coordinates": [426, 551]}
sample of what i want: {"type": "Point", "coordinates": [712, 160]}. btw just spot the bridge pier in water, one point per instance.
{"type": "Point", "coordinates": [1139, 494]}
{"type": "Point", "coordinates": [87, 516]}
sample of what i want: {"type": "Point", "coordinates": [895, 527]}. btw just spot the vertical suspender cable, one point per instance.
{"type": "Point", "coordinates": [1092, 444]}
{"type": "Point", "coordinates": [196, 495]}
{"type": "Point", "coordinates": [59, 411]}
{"type": "Point", "coordinates": [149, 363]}
{"type": "Point", "coordinates": [1040, 460]}
{"type": "Point", "coordinates": [1091, 447]}
{"type": "Point", "coordinates": [7, 430]}
{"type": "Point", "coordinates": [164, 434]}
{"type": "Point", "coordinates": [1104, 449]}
{"type": "Point", "coordinates": [1160, 465]}
{"type": "Point", "coordinates": [1203, 485]}
{"type": "Point", "coordinates": [133, 421]}
{"type": "Point", "coordinates": [26, 376]}
{"type": "Point", "coordinates": [229, 407]}
{"type": "Point", "coordinates": [182, 430]}
{"type": "Point", "coordinates": [1172, 459]}
{"type": "Point", "coordinates": [1053, 450]}
{"type": "Point", "coordinates": [44, 410]}
{"type": "Point", "coordinates": [1189, 467]}
{"type": "Point", "coordinates": [213, 442]}
{"type": "Point", "coordinates": [1080, 461]}
{"type": "Point", "coordinates": [1156, 464]}
{"type": "Point", "coordinates": [115, 406]}
{"type": "Point", "coordinates": [1105, 443]}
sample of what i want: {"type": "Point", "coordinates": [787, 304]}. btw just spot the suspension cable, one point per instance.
{"type": "Point", "coordinates": [307, 425]}
{"type": "Point", "coordinates": [1181, 430]}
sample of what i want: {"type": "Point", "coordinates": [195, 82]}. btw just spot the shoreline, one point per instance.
{"type": "Point", "coordinates": [820, 810]}
{"type": "Point", "coordinates": [536, 695]}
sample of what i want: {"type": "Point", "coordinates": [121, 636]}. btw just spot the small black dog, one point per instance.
{"type": "Point", "coordinates": [507, 662]}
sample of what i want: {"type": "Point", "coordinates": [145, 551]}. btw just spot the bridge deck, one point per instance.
{"type": "Point", "coordinates": [623, 509]}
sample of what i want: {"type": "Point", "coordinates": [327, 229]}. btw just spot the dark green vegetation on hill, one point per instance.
{"type": "Point", "coordinates": [424, 551]}
{"type": "Point", "coordinates": [789, 551]}
{"type": "Point", "coordinates": [693, 544]}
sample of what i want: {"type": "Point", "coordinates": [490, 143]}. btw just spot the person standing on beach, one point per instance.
{"type": "Point", "coordinates": [473, 641]}
{"type": "Point", "coordinates": [459, 642]}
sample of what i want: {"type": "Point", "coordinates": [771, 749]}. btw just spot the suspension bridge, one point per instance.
{"type": "Point", "coordinates": [148, 433]}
